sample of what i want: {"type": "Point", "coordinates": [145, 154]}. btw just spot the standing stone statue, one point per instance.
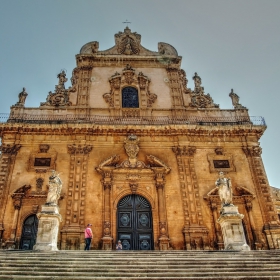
{"type": "Point", "coordinates": [55, 186]}
{"type": "Point", "coordinates": [235, 100]}
{"type": "Point", "coordinates": [21, 98]}
{"type": "Point", "coordinates": [225, 189]}
{"type": "Point", "coordinates": [49, 217]}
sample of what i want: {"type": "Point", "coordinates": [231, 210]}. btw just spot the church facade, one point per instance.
{"type": "Point", "coordinates": [138, 153]}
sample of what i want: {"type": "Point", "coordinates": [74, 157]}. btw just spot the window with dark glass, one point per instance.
{"type": "Point", "coordinates": [130, 97]}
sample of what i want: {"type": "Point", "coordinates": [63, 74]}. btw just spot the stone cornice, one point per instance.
{"type": "Point", "coordinates": [159, 130]}
{"type": "Point", "coordinates": [136, 60]}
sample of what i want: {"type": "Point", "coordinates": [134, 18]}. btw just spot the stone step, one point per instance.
{"type": "Point", "coordinates": [129, 265]}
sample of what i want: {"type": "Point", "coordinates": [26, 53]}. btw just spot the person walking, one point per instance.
{"type": "Point", "coordinates": [88, 236]}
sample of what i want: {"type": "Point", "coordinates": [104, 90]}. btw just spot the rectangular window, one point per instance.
{"type": "Point", "coordinates": [221, 163]}
{"type": "Point", "coordinates": [42, 162]}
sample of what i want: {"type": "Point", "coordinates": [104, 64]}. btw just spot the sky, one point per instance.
{"type": "Point", "coordinates": [229, 43]}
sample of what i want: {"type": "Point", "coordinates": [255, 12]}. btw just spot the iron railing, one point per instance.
{"type": "Point", "coordinates": [159, 120]}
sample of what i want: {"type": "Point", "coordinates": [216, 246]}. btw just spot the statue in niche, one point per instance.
{"type": "Point", "coordinates": [55, 186]}
{"type": "Point", "coordinates": [21, 98]}
{"type": "Point", "coordinates": [224, 186]}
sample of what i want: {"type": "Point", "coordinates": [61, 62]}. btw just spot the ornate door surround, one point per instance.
{"type": "Point", "coordinates": [134, 177]}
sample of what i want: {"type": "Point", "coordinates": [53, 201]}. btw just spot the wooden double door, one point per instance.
{"type": "Point", "coordinates": [135, 223]}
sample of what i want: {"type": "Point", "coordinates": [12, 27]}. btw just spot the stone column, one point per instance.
{"type": "Point", "coordinates": [163, 237]}
{"type": "Point", "coordinates": [219, 240]}
{"type": "Point", "coordinates": [107, 235]}
{"type": "Point", "coordinates": [257, 243]}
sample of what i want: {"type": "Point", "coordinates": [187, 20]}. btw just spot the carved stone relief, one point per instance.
{"type": "Point", "coordinates": [198, 98]}
{"type": "Point", "coordinates": [61, 95]}
{"type": "Point", "coordinates": [128, 43]}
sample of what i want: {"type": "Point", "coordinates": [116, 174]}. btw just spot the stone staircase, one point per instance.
{"type": "Point", "coordinates": [130, 265]}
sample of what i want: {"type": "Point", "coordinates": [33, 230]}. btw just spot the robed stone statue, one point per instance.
{"type": "Point", "coordinates": [225, 189]}
{"type": "Point", "coordinates": [55, 186]}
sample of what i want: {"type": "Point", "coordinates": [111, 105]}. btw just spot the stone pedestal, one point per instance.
{"type": "Point", "coordinates": [163, 243]}
{"type": "Point", "coordinates": [49, 219]}
{"type": "Point", "coordinates": [107, 243]}
{"type": "Point", "coordinates": [232, 229]}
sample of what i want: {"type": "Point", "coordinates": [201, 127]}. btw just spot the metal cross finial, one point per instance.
{"type": "Point", "coordinates": [127, 22]}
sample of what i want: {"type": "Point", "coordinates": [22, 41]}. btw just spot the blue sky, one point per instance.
{"type": "Point", "coordinates": [230, 43]}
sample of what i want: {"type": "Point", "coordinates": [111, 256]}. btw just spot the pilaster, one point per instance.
{"type": "Point", "coordinates": [196, 235]}
{"type": "Point", "coordinates": [268, 210]}
{"type": "Point", "coordinates": [8, 156]}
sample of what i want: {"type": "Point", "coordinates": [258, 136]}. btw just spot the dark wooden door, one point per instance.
{"type": "Point", "coordinates": [134, 220]}
{"type": "Point", "coordinates": [29, 233]}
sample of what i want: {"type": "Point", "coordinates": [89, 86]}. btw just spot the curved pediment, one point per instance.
{"type": "Point", "coordinates": [129, 43]}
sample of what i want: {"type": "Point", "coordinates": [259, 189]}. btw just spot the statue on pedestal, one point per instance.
{"type": "Point", "coordinates": [55, 186]}
{"type": "Point", "coordinates": [225, 189]}
{"type": "Point", "coordinates": [49, 217]}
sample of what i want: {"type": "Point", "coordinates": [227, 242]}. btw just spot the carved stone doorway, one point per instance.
{"type": "Point", "coordinates": [29, 233]}
{"type": "Point", "coordinates": [134, 223]}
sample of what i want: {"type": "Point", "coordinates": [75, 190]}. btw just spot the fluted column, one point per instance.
{"type": "Point", "coordinates": [248, 205]}
{"type": "Point", "coordinates": [17, 205]}
{"type": "Point", "coordinates": [219, 240]}
{"type": "Point", "coordinates": [107, 235]}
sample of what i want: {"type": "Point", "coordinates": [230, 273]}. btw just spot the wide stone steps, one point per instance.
{"type": "Point", "coordinates": [130, 265]}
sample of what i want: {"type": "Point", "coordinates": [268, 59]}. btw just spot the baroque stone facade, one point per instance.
{"type": "Point", "coordinates": [138, 153]}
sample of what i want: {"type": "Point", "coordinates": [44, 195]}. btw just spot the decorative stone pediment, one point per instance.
{"type": "Point", "coordinates": [128, 43]}
{"type": "Point", "coordinates": [240, 193]}
{"type": "Point", "coordinates": [132, 163]}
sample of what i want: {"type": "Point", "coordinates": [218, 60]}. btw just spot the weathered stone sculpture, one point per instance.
{"type": "Point", "coordinates": [55, 186]}
{"type": "Point", "coordinates": [235, 100]}
{"type": "Point", "coordinates": [49, 217]}
{"type": "Point", "coordinates": [21, 98]}
{"type": "Point", "coordinates": [225, 189]}
{"type": "Point", "coordinates": [230, 219]}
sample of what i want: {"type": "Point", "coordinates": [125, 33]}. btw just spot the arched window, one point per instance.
{"type": "Point", "coordinates": [130, 97]}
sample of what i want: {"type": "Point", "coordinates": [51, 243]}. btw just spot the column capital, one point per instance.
{"type": "Point", "coordinates": [79, 149]}
{"type": "Point", "coordinates": [255, 151]}
{"type": "Point", "coordinates": [9, 149]}
{"type": "Point", "coordinates": [184, 150]}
